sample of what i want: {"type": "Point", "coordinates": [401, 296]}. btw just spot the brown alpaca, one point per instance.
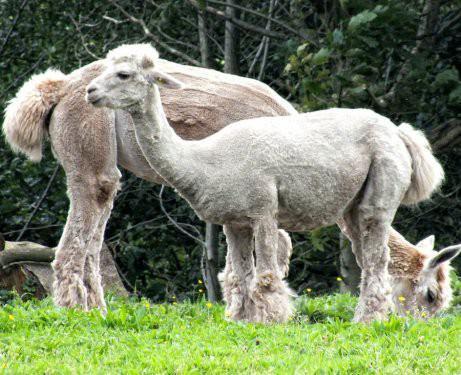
{"type": "Point", "coordinates": [89, 142]}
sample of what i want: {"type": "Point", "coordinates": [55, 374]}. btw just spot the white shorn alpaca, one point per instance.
{"type": "Point", "coordinates": [295, 172]}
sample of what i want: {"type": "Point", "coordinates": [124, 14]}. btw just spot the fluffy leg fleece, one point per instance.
{"type": "Point", "coordinates": [238, 273]}
{"type": "Point", "coordinates": [270, 294]}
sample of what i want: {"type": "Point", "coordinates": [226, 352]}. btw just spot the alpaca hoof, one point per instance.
{"type": "Point", "coordinates": [364, 314]}
{"type": "Point", "coordinates": [95, 301]}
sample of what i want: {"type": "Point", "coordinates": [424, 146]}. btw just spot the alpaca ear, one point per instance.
{"type": "Point", "coordinates": [164, 79]}
{"type": "Point", "coordinates": [427, 243]}
{"type": "Point", "coordinates": [445, 255]}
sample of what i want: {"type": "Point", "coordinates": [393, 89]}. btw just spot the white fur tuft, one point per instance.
{"type": "Point", "coordinates": [427, 172]}
{"type": "Point", "coordinates": [26, 113]}
{"type": "Point", "coordinates": [140, 53]}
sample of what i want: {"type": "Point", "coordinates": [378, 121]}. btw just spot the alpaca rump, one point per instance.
{"type": "Point", "coordinates": [257, 175]}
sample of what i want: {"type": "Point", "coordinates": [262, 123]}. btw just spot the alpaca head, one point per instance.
{"type": "Point", "coordinates": [131, 71]}
{"type": "Point", "coordinates": [426, 290]}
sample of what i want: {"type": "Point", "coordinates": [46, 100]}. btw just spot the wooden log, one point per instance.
{"type": "Point", "coordinates": [20, 261]}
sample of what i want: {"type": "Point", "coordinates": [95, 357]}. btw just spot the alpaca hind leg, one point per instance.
{"type": "Point", "coordinates": [92, 274]}
{"type": "Point", "coordinates": [374, 215]}
{"type": "Point", "coordinates": [238, 273]}
{"type": "Point", "coordinates": [284, 251]}
{"type": "Point", "coordinates": [68, 288]}
{"type": "Point", "coordinates": [350, 227]}
{"type": "Point", "coordinates": [270, 293]}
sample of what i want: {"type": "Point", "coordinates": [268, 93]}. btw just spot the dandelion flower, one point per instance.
{"type": "Point", "coordinates": [200, 281]}
{"type": "Point", "coordinates": [200, 290]}
{"type": "Point", "coordinates": [402, 298]}
{"type": "Point", "coordinates": [209, 305]}
{"type": "Point", "coordinates": [147, 304]}
{"type": "Point", "coordinates": [339, 278]}
{"type": "Point", "coordinates": [423, 314]}
{"type": "Point", "coordinates": [308, 290]}
{"type": "Point", "coordinates": [10, 317]}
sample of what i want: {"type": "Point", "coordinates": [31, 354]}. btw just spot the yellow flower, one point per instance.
{"type": "Point", "coordinates": [10, 317]}
{"type": "Point", "coordinates": [339, 278]}
{"type": "Point", "coordinates": [421, 338]}
{"type": "Point", "coordinates": [4, 365]}
{"type": "Point", "coordinates": [174, 297]}
{"type": "Point", "coordinates": [200, 281]}
{"type": "Point", "coordinates": [402, 298]}
{"type": "Point", "coordinates": [200, 290]}
{"type": "Point", "coordinates": [209, 305]}
{"type": "Point", "coordinates": [175, 303]}
{"type": "Point", "coordinates": [147, 304]}
{"type": "Point", "coordinates": [423, 314]}
{"type": "Point", "coordinates": [308, 290]}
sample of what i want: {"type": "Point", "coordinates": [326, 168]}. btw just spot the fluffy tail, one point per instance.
{"type": "Point", "coordinates": [427, 172]}
{"type": "Point", "coordinates": [26, 113]}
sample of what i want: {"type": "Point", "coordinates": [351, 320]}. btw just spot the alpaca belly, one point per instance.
{"type": "Point", "coordinates": [243, 203]}
{"type": "Point", "coordinates": [307, 204]}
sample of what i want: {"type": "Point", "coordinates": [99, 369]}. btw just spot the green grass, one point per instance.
{"type": "Point", "coordinates": [135, 337]}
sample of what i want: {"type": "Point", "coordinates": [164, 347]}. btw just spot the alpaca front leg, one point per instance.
{"type": "Point", "coordinates": [269, 292]}
{"type": "Point", "coordinates": [238, 272]}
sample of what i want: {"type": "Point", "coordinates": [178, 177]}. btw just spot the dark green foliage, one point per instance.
{"type": "Point", "coordinates": [352, 56]}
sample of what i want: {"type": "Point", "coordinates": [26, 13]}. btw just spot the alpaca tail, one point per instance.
{"type": "Point", "coordinates": [27, 113]}
{"type": "Point", "coordinates": [427, 172]}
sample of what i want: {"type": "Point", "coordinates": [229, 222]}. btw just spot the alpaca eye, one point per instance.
{"type": "Point", "coordinates": [430, 296]}
{"type": "Point", "coordinates": [123, 76]}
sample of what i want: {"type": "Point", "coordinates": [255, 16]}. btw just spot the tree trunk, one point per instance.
{"type": "Point", "coordinates": [350, 270]}
{"type": "Point", "coordinates": [211, 253]}
{"type": "Point", "coordinates": [231, 41]}
{"type": "Point", "coordinates": [212, 263]}
{"type": "Point", "coordinates": [203, 40]}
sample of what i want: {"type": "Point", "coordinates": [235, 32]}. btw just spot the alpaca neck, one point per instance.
{"type": "Point", "coordinates": [166, 153]}
{"type": "Point", "coordinates": [406, 260]}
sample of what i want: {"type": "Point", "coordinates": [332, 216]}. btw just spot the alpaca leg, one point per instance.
{"type": "Point", "coordinates": [349, 226]}
{"type": "Point", "coordinates": [89, 199]}
{"type": "Point", "coordinates": [284, 251]}
{"type": "Point", "coordinates": [271, 295]}
{"type": "Point", "coordinates": [92, 275]}
{"type": "Point", "coordinates": [374, 215]}
{"type": "Point", "coordinates": [238, 273]}
{"type": "Point", "coordinates": [68, 288]}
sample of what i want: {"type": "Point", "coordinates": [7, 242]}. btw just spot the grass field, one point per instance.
{"type": "Point", "coordinates": [137, 337]}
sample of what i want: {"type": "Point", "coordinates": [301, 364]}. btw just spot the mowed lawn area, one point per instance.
{"type": "Point", "coordinates": [137, 337]}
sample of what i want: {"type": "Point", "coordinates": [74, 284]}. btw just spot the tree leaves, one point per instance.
{"type": "Point", "coordinates": [362, 18]}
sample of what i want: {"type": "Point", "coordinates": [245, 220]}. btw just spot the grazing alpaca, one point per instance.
{"type": "Point", "coordinates": [420, 276]}
{"type": "Point", "coordinates": [296, 172]}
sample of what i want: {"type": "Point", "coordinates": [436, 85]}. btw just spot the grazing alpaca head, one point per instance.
{"type": "Point", "coordinates": [421, 284]}
{"type": "Point", "coordinates": [131, 70]}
